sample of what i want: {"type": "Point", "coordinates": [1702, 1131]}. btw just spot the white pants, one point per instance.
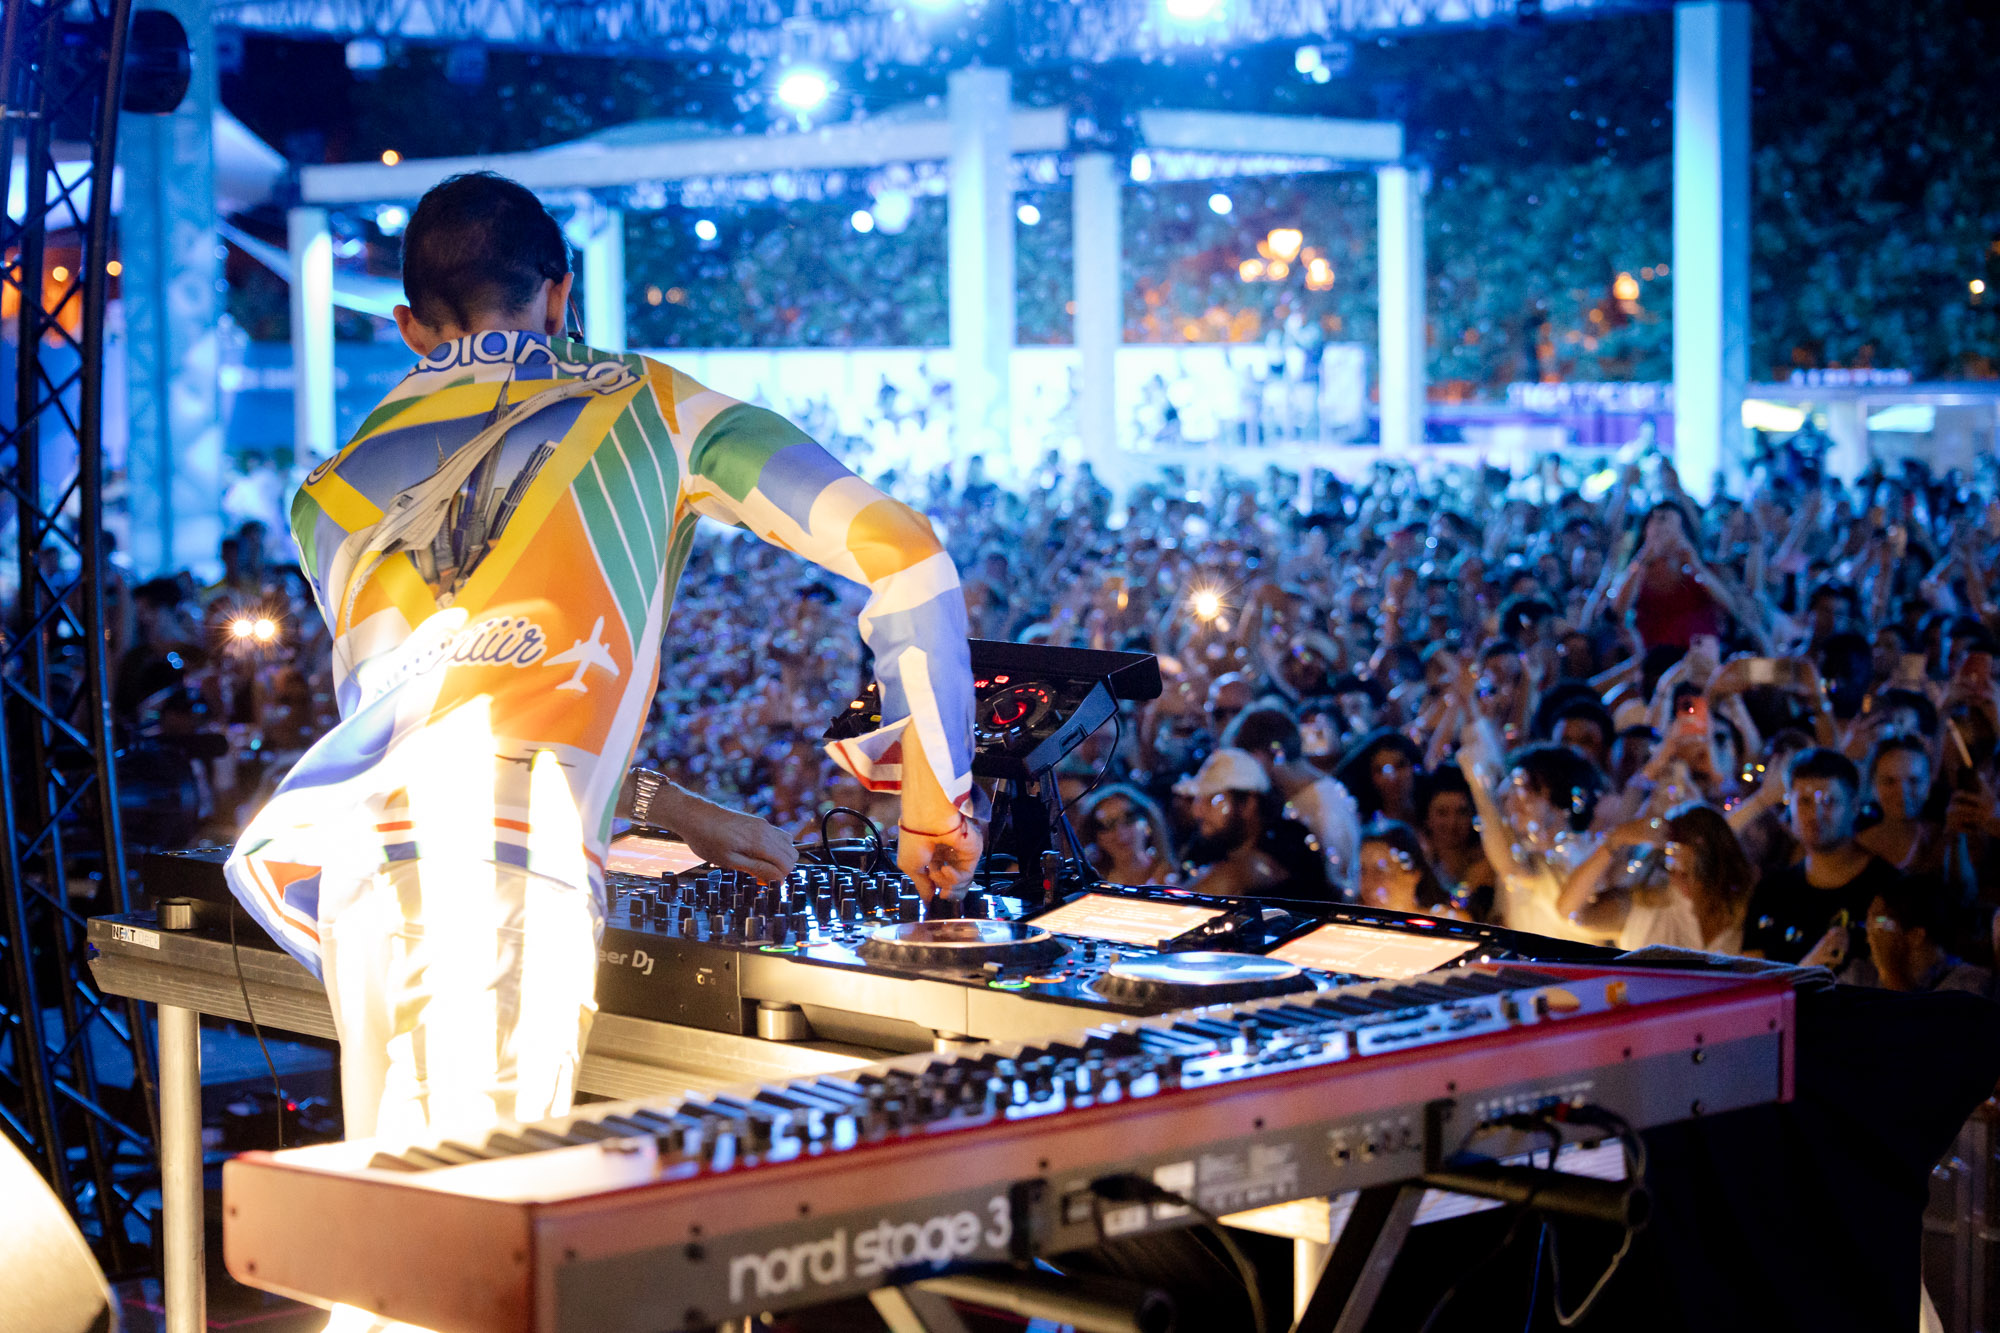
{"type": "Point", "coordinates": [462, 994]}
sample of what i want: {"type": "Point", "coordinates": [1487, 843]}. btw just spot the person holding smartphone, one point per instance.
{"type": "Point", "coordinates": [1812, 911]}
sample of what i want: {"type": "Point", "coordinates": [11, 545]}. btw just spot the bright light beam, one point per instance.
{"type": "Point", "coordinates": [804, 89]}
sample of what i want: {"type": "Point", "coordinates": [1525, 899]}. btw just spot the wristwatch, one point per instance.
{"type": "Point", "coordinates": [641, 788]}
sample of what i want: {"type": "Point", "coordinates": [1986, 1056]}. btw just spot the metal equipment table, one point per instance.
{"type": "Point", "coordinates": [187, 975]}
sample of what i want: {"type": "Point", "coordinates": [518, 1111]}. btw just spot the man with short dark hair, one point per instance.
{"type": "Point", "coordinates": [1814, 910]}
{"type": "Point", "coordinates": [496, 552]}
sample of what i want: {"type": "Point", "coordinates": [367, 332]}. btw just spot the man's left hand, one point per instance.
{"type": "Point", "coordinates": [940, 865]}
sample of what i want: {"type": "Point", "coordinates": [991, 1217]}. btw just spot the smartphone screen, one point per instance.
{"type": "Point", "coordinates": [1693, 719]}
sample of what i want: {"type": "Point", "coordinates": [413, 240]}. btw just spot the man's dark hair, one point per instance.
{"type": "Point", "coordinates": [1263, 727]}
{"type": "Point", "coordinates": [1570, 781]}
{"type": "Point", "coordinates": [1524, 611]}
{"type": "Point", "coordinates": [1917, 902]}
{"type": "Point", "coordinates": [479, 243]}
{"type": "Point", "coordinates": [1585, 710]}
{"type": "Point", "coordinates": [1914, 700]}
{"type": "Point", "coordinates": [1821, 762]}
{"type": "Point", "coordinates": [1353, 684]}
{"type": "Point", "coordinates": [1440, 781]}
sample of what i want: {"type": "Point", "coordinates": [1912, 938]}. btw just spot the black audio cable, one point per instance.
{"type": "Point", "coordinates": [876, 857]}
{"type": "Point", "coordinates": [1128, 1188]}
{"type": "Point", "coordinates": [236, 955]}
{"type": "Point", "coordinates": [1634, 1149]}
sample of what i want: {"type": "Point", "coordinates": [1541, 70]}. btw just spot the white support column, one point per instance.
{"type": "Point", "coordinates": [1711, 239]}
{"type": "Point", "coordinates": [980, 102]}
{"type": "Point", "coordinates": [311, 245]}
{"type": "Point", "coordinates": [182, 1239]}
{"type": "Point", "coordinates": [600, 235]}
{"type": "Point", "coordinates": [1097, 183]}
{"type": "Point", "coordinates": [167, 250]}
{"type": "Point", "coordinates": [1847, 427]}
{"type": "Point", "coordinates": [1399, 255]}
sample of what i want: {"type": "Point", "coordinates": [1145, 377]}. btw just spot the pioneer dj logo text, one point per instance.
{"type": "Point", "coordinates": [882, 1248]}
{"type": "Point", "coordinates": [639, 960]}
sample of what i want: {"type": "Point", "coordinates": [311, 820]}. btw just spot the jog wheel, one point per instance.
{"type": "Point", "coordinates": [1183, 980]}
{"type": "Point", "coordinates": [960, 945]}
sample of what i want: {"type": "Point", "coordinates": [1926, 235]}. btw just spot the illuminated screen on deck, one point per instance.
{"type": "Point", "coordinates": [1098, 916]}
{"type": "Point", "coordinates": [652, 857]}
{"type": "Point", "coordinates": [1366, 952]}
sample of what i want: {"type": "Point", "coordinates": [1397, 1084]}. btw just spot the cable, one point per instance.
{"type": "Point", "coordinates": [1062, 806]}
{"type": "Point", "coordinates": [1526, 1124]}
{"type": "Point", "coordinates": [1520, 1216]}
{"type": "Point", "coordinates": [875, 858]}
{"type": "Point", "coordinates": [1138, 1189]}
{"type": "Point", "coordinates": [236, 955]}
{"type": "Point", "coordinates": [1635, 1172]}
{"type": "Point", "coordinates": [1535, 1281]}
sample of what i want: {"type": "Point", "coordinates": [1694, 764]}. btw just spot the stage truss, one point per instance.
{"type": "Point", "coordinates": [76, 1085]}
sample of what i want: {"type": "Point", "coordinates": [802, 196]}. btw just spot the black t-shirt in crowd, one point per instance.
{"type": "Point", "coordinates": [1291, 845]}
{"type": "Point", "coordinates": [1788, 915]}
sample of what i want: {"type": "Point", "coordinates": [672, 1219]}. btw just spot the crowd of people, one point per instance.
{"type": "Point", "coordinates": [1580, 705]}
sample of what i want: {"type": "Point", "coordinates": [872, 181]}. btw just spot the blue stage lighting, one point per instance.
{"type": "Point", "coordinates": [804, 89]}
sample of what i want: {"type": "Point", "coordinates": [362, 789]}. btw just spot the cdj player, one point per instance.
{"type": "Point", "coordinates": [1032, 704]}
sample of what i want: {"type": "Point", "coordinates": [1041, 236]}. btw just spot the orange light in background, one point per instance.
{"type": "Point", "coordinates": [1625, 287]}
{"type": "Point", "coordinates": [390, 157]}
{"type": "Point", "coordinates": [59, 273]}
{"type": "Point", "coordinates": [1279, 270]}
{"type": "Point", "coordinates": [1250, 270]}
{"type": "Point", "coordinates": [1285, 242]}
{"type": "Point", "coordinates": [1319, 275]}
{"type": "Point", "coordinates": [114, 268]}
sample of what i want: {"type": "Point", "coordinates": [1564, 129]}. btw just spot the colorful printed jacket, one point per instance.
{"type": "Point", "coordinates": [506, 531]}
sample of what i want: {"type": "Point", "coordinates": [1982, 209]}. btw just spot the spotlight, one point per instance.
{"type": "Point", "coordinates": [365, 54]}
{"type": "Point", "coordinates": [390, 157]}
{"type": "Point", "coordinates": [1220, 204]}
{"type": "Point", "coordinates": [1142, 166]}
{"type": "Point", "coordinates": [892, 211]}
{"type": "Point", "coordinates": [1029, 215]}
{"type": "Point", "coordinates": [1977, 286]}
{"type": "Point", "coordinates": [243, 627]}
{"type": "Point", "coordinates": [1625, 287]}
{"type": "Point", "coordinates": [264, 629]}
{"type": "Point", "coordinates": [704, 229]}
{"type": "Point", "coordinates": [1207, 604]}
{"type": "Point", "coordinates": [1193, 11]}
{"type": "Point", "coordinates": [804, 89]}
{"type": "Point", "coordinates": [1285, 242]}
{"type": "Point", "coordinates": [390, 219]}
{"type": "Point", "coordinates": [863, 221]}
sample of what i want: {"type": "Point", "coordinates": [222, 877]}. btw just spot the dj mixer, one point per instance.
{"type": "Point", "coordinates": [847, 954]}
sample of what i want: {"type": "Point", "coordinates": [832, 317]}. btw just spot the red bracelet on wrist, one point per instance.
{"type": "Point", "coordinates": [951, 832]}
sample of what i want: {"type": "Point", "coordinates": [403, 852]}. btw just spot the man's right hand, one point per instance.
{"type": "Point", "coordinates": [737, 841]}
{"type": "Point", "coordinates": [725, 837]}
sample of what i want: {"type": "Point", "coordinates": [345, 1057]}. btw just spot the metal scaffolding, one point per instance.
{"type": "Point", "coordinates": [76, 1086]}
